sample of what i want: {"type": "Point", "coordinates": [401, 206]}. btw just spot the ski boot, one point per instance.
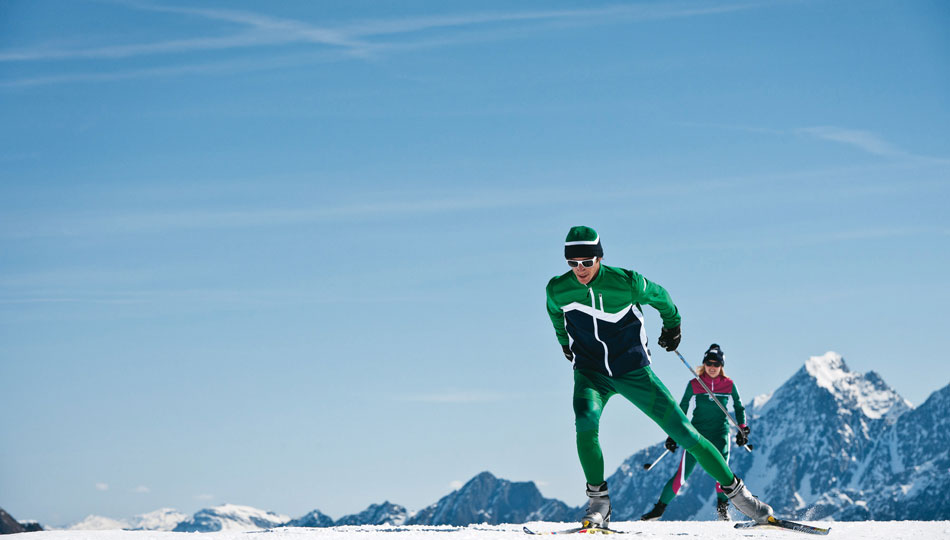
{"type": "Point", "coordinates": [746, 502]}
{"type": "Point", "coordinates": [722, 510]}
{"type": "Point", "coordinates": [654, 514]}
{"type": "Point", "coordinates": [598, 508]}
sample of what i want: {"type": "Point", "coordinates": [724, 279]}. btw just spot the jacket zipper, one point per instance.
{"type": "Point", "coordinates": [593, 304]}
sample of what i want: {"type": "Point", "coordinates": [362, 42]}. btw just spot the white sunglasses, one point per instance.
{"type": "Point", "coordinates": [586, 263]}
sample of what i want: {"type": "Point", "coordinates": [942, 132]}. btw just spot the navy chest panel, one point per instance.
{"type": "Point", "coordinates": [607, 342]}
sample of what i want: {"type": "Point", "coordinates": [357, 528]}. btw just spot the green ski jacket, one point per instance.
{"type": "Point", "coordinates": [602, 321]}
{"type": "Point", "coordinates": [707, 416]}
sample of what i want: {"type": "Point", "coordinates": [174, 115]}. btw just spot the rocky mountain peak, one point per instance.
{"type": "Point", "coordinates": [487, 499]}
{"type": "Point", "coordinates": [231, 517]}
{"type": "Point", "coordinates": [865, 392]}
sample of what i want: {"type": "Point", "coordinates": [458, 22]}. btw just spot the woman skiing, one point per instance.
{"type": "Point", "coordinates": [710, 422]}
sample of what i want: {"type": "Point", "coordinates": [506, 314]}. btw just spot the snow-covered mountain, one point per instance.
{"type": "Point", "coordinates": [814, 433]}
{"type": "Point", "coordinates": [231, 517]}
{"type": "Point", "coordinates": [164, 519]}
{"type": "Point", "coordinates": [98, 523]}
{"type": "Point", "coordinates": [829, 442]}
{"type": "Point", "coordinates": [907, 472]}
{"type": "Point", "coordinates": [377, 514]}
{"type": "Point", "coordinates": [486, 499]}
{"type": "Point", "coordinates": [315, 518]}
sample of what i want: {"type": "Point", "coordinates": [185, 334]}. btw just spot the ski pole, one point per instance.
{"type": "Point", "coordinates": [648, 466]}
{"type": "Point", "coordinates": [748, 447]}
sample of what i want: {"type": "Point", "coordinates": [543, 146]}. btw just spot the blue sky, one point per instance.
{"type": "Point", "coordinates": [292, 255]}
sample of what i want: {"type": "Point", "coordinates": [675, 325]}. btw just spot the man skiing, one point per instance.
{"type": "Point", "coordinates": [595, 310]}
{"type": "Point", "coordinates": [710, 422]}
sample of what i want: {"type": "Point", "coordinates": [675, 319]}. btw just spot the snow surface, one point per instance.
{"type": "Point", "coordinates": [659, 530]}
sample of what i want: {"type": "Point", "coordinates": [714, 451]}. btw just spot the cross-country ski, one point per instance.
{"type": "Point", "coordinates": [574, 530]}
{"type": "Point", "coordinates": [777, 523]}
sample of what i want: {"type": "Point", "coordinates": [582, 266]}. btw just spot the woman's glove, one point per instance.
{"type": "Point", "coordinates": [742, 436]}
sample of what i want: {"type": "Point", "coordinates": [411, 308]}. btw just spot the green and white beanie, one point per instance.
{"type": "Point", "coordinates": [582, 242]}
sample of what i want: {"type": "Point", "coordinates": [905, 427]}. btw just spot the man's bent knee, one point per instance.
{"type": "Point", "coordinates": [586, 415]}
{"type": "Point", "coordinates": [685, 438]}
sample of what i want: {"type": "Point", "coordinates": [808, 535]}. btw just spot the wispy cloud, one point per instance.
{"type": "Point", "coordinates": [126, 51]}
{"type": "Point", "coordinates": [279, 29]}
{"type": "Point", "coordinates": [220, 67]}
{"type": "Point", "coordinates": [141, 490]}
{"type": "Point", "coordinates": [793, 239]}
{"type": "Point", "coordinates": [863, 140]}
{"type": "Point", "coordinates": [258, 30]}
{"type": "Point", "coordinates": [637, 12]}
{"type": "Point", "coordinates": [114, 298]}
{"type": "Point", "coordinates": [102, 486]}
{"type": "Point", "coordinates": [344, 40]}
{"type": "Point", "coordinates": [867, 141]}
{"type": "Point", "coordinates": [380, 209]}
{"type": "Point", "coordinates": [263, 30]}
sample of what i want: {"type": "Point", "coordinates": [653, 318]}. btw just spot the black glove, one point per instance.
{"type": "Point", "coordinates": [671, 444]}
{"type": "Point", "coordinates": [742, 436]}
{"type": "Point", "coordinates": [669, 338]}
{"type": "Point", "coordinates": [568, 353]}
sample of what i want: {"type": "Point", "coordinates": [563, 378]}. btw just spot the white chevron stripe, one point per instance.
{"type": "Point", "coordinates": [598, 314]}
{"type": "Point", "coordinates": [584, 242]}
{"type": "Point", "coordinates": [643, 331]}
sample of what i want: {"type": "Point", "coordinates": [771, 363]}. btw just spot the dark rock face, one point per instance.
{"type": "Point", "coordinates": [486, 499]}
{"type": "Point", "coordinates": [8, 525]}
{"type": "Point", "coordinates": [377, 514]}
{"type": "Point", "coordinates": [313, 519]}
{"type": "Point", "coordinates": [31, 526]}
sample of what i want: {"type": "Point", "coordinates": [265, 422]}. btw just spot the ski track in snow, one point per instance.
{"type": "Point", "coordinates": [661, 530]}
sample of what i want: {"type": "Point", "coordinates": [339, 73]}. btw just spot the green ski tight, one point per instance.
{"type": "Point", "coordinates": [642, 388]}
{"type": "Point", "coordinates": [720, 440]}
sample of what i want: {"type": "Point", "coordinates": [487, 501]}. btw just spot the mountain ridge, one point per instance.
{"type": "Point", "coordinates": [830, 443]}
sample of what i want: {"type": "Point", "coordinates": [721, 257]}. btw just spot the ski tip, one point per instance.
{"type": "Point", "coordinates": [778, 523]}
{"type": "Point", "coordinates": [576, 530]}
